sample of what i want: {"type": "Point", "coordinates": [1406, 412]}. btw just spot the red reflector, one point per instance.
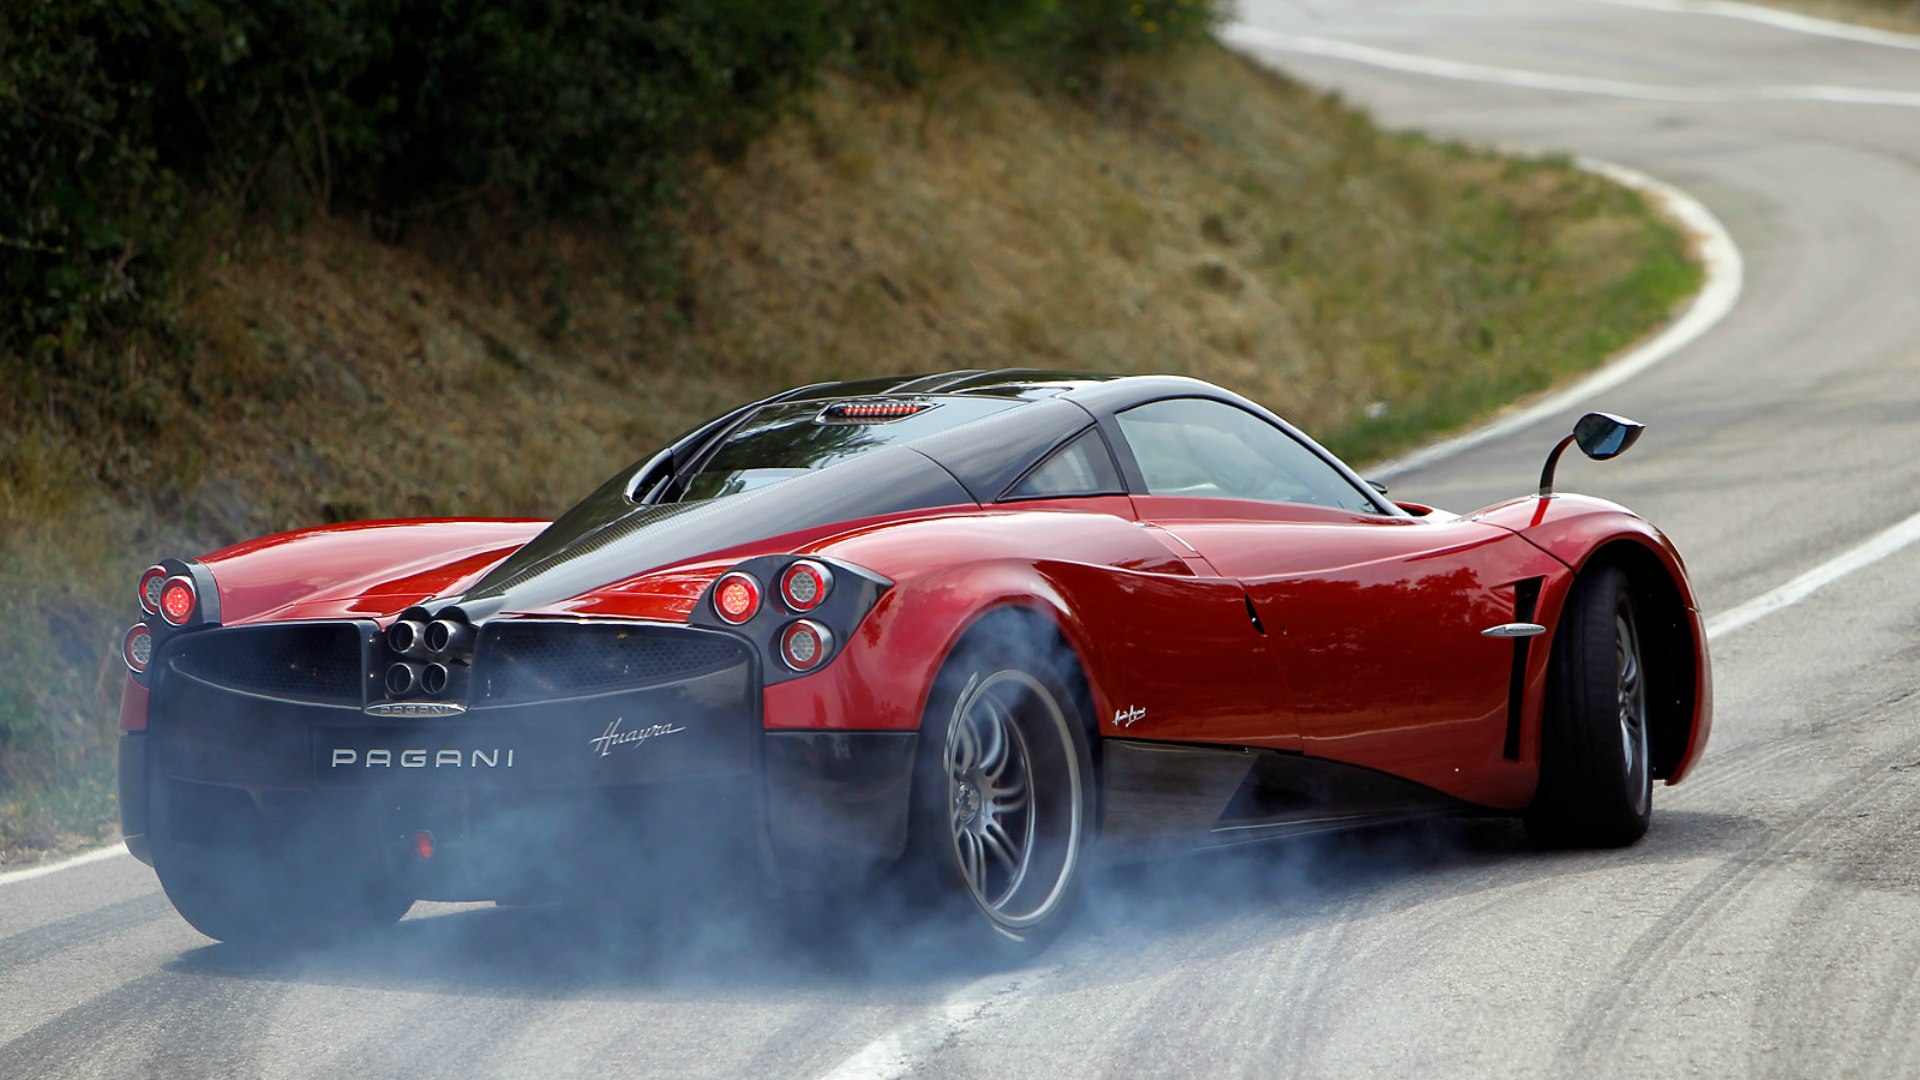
{"type": "Point", "coordinates": [805, 584]}
{"type": "Point", "coordinates": [805, 644]}
{"type": "Point", "coordinates": [137, 648]}
{"type": "Point", "coordinates": [423, 845]}
{"type": "Point", "coordinates": [177, 600]}
{"type": "Point", "coordinates": [736, 597]}
{"type": "Point", "coordinates": [150, 584]}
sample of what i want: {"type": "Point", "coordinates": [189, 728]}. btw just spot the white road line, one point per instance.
{"type": "Point", "coordinates": [101, 854]}
{"type": "Point", "coordinates": [1779, 20]}
{"type": "Point", "coordinates": [1877, 547]}
{"type": "Point", "coordinates": [896, 1053]}
{"type": "Point", "coordinates": [1253, 37]}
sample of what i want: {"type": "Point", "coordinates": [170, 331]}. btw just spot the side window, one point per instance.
{"type": "Point", "coordinates": [1081, 467]}
{"type": "Point", "coordinates": [1194, 446]}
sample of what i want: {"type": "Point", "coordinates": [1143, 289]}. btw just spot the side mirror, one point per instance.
{"type": "Point", "coordinates": [1601, 436]}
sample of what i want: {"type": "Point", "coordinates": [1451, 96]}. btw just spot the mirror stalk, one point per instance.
{"type": "Point", "coordinates": [1553, 462]}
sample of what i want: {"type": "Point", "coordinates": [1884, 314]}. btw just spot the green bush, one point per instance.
{"type": "Point", "coordinates": [116, 114]}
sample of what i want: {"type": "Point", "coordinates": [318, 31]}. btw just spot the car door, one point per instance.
{"type": "Point", "coordinates": [1186, 663]}
{"type": "Point", "coordinates": [1375, 618]}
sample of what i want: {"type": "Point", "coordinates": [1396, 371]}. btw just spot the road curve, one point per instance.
{"type": "Point", "coordinates": [1764, 927]}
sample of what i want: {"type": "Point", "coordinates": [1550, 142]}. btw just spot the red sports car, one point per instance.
{"type": "Point", "coordinates": [961, 626]}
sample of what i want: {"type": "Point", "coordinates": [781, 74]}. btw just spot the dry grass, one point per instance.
{"type": "Point", "coordinates": [1886, 14]}
{"type": "Point", "coordinates": [1227, 224]}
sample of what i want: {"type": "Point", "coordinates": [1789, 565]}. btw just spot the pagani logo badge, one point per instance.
{"type": "Point", "coordinates": [382, 757]}
{"type": "Point", "coordinates": [416, 708]}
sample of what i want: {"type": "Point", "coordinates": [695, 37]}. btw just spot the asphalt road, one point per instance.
{"type": "Point", "coordinates": [1768, 925]}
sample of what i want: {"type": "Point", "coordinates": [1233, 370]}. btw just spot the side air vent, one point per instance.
{"type": "Point", "coordinates": [296, 661]}
{"type": "Point", "coordinates": [1526, 598]}
{"type": "Point", "coordinates": [533, 660]}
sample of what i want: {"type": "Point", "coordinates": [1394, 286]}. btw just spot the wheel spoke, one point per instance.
{"type": "Point", "coordinates": [1000, 845]}
{"type": "Point", "coordinates": [972, 865]}
{"type": "Point", "coordinates": [1632, 718]}
{"type": "Point", "coordinates": [1009, 798]}
{"type": "Point", "coordinates": [964, 749]}
{"type": "Point", "coordinates": [994, 758]}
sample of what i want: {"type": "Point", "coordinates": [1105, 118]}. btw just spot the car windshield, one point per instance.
{"type": "Point", "coordinates": [791, 439]}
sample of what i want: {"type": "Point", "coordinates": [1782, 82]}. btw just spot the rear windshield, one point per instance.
{"type": "Point", "coordinates": [782, 441]}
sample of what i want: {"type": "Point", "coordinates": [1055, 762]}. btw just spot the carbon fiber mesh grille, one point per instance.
{"type": "Point", "coordinates": [535, 661]}
{"type": "Point", "coordinates": [308, 662]}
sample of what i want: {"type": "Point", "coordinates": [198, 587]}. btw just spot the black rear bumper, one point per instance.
{"type": "Point", "coordinates": [516, 798]}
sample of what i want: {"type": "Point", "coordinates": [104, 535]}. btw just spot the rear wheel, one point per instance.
{"type": "Point", "coordinates": [1596, 786]}
{"type": "Point", "coordinates": [1004, 791]}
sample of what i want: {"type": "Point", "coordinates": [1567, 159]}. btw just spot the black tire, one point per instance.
{"type": "Point", "coordinates": [1004, 789]}
{"type": "Point", "coordinates": [253, 881]}
{"type": "Point", "coordinates": [1596, 780]}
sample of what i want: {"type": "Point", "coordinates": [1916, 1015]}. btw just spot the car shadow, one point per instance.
{"type": "Point", "coordinates": [667, 945]}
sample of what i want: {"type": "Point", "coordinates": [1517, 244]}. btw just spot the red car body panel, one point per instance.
{"type": "Point", "coordinates": [1375, 626]}
{"type": "Point", "coordinates": [1191, 657]}
{"type": "Point", "coordinates": [363, 569]}
{"type": "Point", "coordinates": [1575, 529]}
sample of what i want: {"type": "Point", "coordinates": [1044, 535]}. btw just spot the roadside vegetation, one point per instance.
{"type": "Point", "coordinates": [1886, 14]}
{"type": "Point", "coordinates": [473, 266]}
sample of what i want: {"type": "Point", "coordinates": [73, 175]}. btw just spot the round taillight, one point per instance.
{"type": "Point", "coordinates": [150, 584]}
{"type": "Point", "coordinates": [805, 584]}
{"type": "Point", "coordinates": [423, 845]}
{"type": "Point", "coordinates": [804, 645]}
{"type": "Point", "coordinates": [137, 648]}
{"type": "Point", "coordinates": [736, 597]}
{"type": "Point", "coordinates": [177, 600]}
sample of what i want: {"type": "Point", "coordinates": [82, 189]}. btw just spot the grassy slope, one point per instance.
{"type": "Point", "coordinates": [1227, 224]}
{"type": "Point", "coordinates": [1888, 14]}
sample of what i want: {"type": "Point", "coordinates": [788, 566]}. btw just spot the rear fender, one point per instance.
{"type": "Point", "coordinates": [883, 676]}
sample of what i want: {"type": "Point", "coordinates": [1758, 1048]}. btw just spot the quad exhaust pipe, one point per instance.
{"type": "Point", "coordinates": [402, 678]}
{"type": "Point", "coordinates": [448, 636]}
{"type": "Point", "coordinates": [408, 637]}
{"type": "Point", "coordinates": [406, 677]}
{"type": "Point", "coordinates": [428, 651]}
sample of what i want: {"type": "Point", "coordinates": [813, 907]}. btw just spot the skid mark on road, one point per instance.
{"type": "Point", "coordinates": [896, 1053]}
{"type": "Point", "coordinates": [1604, 1024]}
{"type": "Point", "coordinates": [30, 946]}
{"type": "Point", "coordinates": [1834, 936]}
{"type": "Point", "coordinates": [156, 1025]}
